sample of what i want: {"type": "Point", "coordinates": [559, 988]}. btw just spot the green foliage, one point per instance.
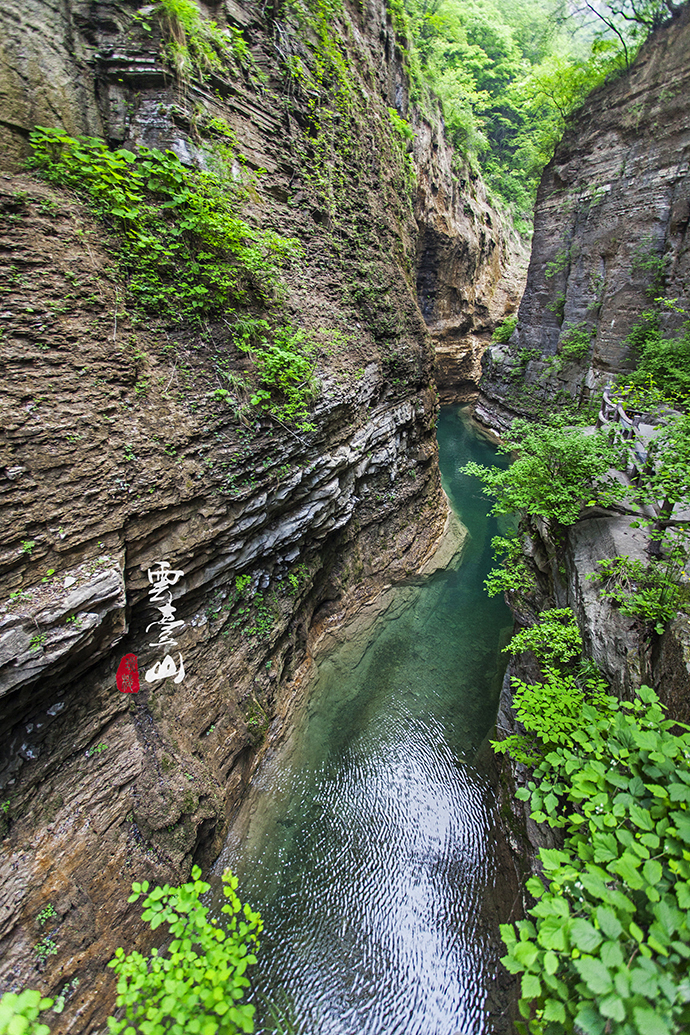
{"type": "Point", "coordinates": [183, 250]}
{"type": "Point", "coordinates": [646, 260]}
{"type": "Point", "coordinates": [667, 475]}
{"type": "Point", "coordinates": [45, 948]}
{"type": "Point", "coordinates": [558, 471]}
{"type": "Point", "coordinates": [286, 364]}
{"type": "Point", "coordinates": [661, 361]}
{"type": "Point", "coordinates": [503, 331]}
{"type": "Point", "coordinates": [606, 949]}
{"type": "Point", "coordinates": [576, 342]}
{"type": "Point", "coordinates": [514, 574]}
{"type": "Point", "coordinates": [27, 546]}
{"type": "Point", "coordinates": [401, 126]}
{"type": "Point", "coordinates": [197, 983]}
{"type": "Point", "coordinates": [46, 914]}
{"type": "Point", "coordinates": [554, 638]}
{"type": "Point", "coordinates": [242, 583]}
{"type": "Point", "coordinates": [97, 749]}
{"type": "Point", "coordinates": [185, 253]}
{"type": "Point", "coordinates": [647, 591]}
{"type": "Point", "coordinates": [558, 264]}
{"type": "Point", "coordinates": [509, 76]}
{"type": "Point", "coordinates": [37, 641]}
{"type": "Point", "coordinates": [550, 711]}
{"type": "Point", "coordinates": [19, 1013]}
{"type": "Point", "coordinates": [194, 45]}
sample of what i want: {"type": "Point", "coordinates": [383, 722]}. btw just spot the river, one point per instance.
{"type": "Point", "coordinates": [369, 841]}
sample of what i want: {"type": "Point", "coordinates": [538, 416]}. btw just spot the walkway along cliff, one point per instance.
{"type": "Point", "coordinates": [158, 501]}
{"type": "Point", "coordinates": [611, 235]}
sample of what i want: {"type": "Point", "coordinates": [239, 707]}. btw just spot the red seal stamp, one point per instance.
{"type": "Point", "coordinates": [127, 677]}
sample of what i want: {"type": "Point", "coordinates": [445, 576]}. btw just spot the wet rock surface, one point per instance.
{"type": "Point", "coordinates": [610, 233]}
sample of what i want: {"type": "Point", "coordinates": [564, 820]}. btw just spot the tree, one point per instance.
{"type": "Point", "coordinates": [557, 472]}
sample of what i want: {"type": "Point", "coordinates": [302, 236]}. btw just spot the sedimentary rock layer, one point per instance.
{"type": "Point", "coordinates": [610, 234]}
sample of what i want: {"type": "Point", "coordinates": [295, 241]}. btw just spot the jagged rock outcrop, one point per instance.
{"type": "Point", "coordinates": [120, 452]}
{"type": "Point", "coordinates": [610, 233]}
{"type": "Point", "coordinates": [471, 266]}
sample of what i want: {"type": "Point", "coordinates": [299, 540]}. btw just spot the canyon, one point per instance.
{"type": "Point", "coordinates": [122, 455]}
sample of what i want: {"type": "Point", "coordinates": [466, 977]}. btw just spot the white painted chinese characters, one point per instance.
{"type": "Point", "coordinates": [162, 578]}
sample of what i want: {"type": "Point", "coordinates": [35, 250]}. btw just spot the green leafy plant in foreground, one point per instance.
{"type": "Point", "coordinates": [197, 983]}
{"type": "Point", "coordinates": [19, 1013]}
{"type": "Point", "coordinates": [607, 947]}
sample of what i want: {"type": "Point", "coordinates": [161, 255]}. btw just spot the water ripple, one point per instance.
{"type": "Point", "coordinates": [368, 845]}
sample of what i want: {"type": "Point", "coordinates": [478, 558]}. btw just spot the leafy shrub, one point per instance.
{"type": "Point", "coordinates": [554, 638]}
{"type": "Point", "coordinates": [557, 471]}
{"type": "Point", "coordinates": [576, 342]}
{"type": "Point", "coordinates": [401, 126]}
{"type": "Point", "coordinates": [661, 360]}
{"type": "Point", "coordinates": [19, 1013]}
{"type": "Point", "coordinates": [285, 364]}
{"type": "Point", "coordinates": [183, 249]}
{"type": "Point", "coordinates": [647, 591]}
{"type": "Point", "coordinates": [607, 947]}
{"type": "Point", "coordinates": [196, 984]}
{"type": "Point", "coordinates": [503, 331]}
{"type": "Point", "coordinates": [514, 575]}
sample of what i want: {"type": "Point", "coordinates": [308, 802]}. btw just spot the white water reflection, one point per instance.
{"type": "Point", "coordinates": [367, 844]}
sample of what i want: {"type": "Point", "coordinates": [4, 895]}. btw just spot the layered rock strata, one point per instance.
{"type": "Point", "coordinates": [121, 454]}
{"type": "Point", "coordinates": [610, 235]}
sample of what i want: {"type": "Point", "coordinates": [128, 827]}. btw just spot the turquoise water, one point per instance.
{"type": "Point", "coordinates": [368, 842]}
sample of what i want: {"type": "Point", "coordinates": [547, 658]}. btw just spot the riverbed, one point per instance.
{"type": "Point", "coordinates": [370, 840]}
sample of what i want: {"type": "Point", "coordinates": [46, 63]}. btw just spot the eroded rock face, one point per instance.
{"type": "Point", "coordinates": [471, 267]}
{"type": "Point", "coordinates": [610, 233]}
{"type": "Point", "coordinates": [119, 453]}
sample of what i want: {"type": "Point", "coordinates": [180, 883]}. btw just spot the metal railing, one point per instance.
{"type": "Point", "coordinates": [612, 412]}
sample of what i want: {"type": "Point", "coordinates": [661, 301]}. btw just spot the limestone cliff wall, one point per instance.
{"type": "Point", "coordinates": [117, 453]}
{"type": "Point", "coordinates": [611, 231]}
{"type": "Point", "coordinates": [471, 265]}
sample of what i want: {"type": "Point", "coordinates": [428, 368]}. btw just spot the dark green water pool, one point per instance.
{"type": "Point", "coordinates": [368, 842]}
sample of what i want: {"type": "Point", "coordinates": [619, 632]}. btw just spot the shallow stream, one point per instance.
{"type": "Point", "coordinates": [369, 842]}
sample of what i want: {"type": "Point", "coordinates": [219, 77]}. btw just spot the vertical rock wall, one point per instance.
{"type": "Point", "coordinates": [117, 452]}
{"type": "Point", "coordinates": [610, 234]}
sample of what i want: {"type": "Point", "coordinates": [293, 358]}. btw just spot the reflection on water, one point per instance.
{"type": "Point", "coordinates": [367, 843]}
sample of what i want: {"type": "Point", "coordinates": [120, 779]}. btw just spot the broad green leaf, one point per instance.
{"type": "Point", "coordinates": [584, 935]}
{"type": "Point", "coordinates": [612, 1006]}
{"type": "Point", "coordinates": [530, 986]}
{"type": "Point", "coordinates": [594, 974]}
{"type": "Point", "coordinates": [554, 1011]}
{"type": "Point", "coordinates": [649, 1022]}
{"type": "Point", "coordinates": [608, 922]}
{"type": "Point", "coordinates": [652, 871]}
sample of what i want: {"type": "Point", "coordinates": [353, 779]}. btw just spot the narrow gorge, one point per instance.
{"type": "Point", "coordinates": [242, 267]}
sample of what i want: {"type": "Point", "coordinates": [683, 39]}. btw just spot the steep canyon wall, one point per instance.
{"type": "Point", "coordinates": [611, 232]}
{"type": "Point", "coordinates": [123, 445]}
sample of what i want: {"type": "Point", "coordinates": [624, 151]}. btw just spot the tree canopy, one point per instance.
{"type": "Point", "coordinates": [510, 74]}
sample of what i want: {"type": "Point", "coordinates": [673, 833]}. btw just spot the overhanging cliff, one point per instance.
{"type": "Point", "coordinates": [129, 439]}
